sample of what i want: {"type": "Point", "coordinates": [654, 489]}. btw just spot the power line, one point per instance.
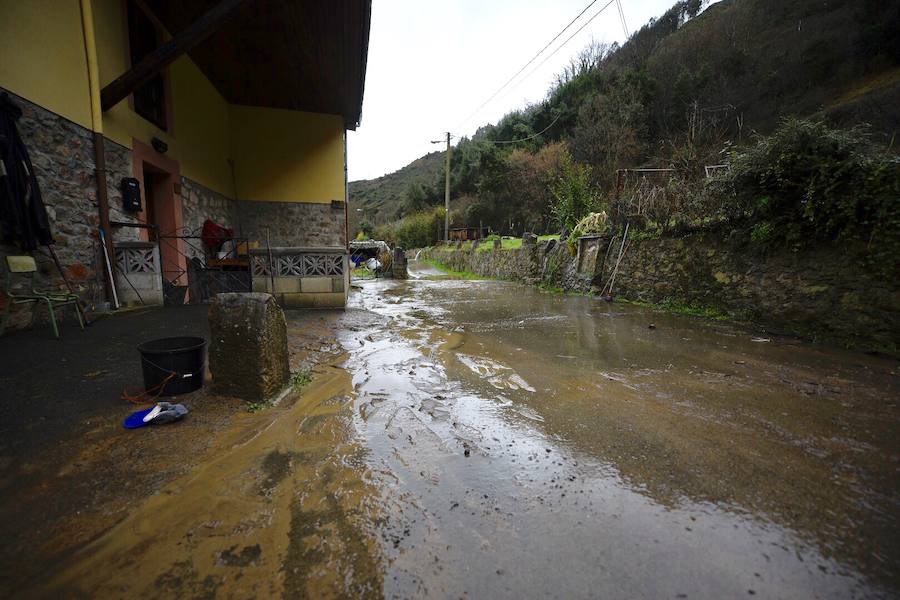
{"type": "Point", "coordinates": [525, 66]}
{"type": "Point", "coordinates": [622, 17]}
{"type": "Point", "coordinates": [569, 39]}
{"type": "Point", "coordinates": [531, 137]}
{"type": "Point", "coordinates": [534, 70]}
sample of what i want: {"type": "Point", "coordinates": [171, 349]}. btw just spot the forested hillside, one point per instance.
{"type": "Point", "coordinates": [687, 90]}
{"type": "Point", "coordinates": [380, 198]}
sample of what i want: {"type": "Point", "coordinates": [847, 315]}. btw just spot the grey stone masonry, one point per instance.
{"type": "Point", "coordinates": [118, 166]}
{"type": "Point", "coordinates": [200, 203]}
{"type": "Point", "coordinates": [62, 154]}
{"type": "Point", "coordinates": [248, 354]}
{"type": "Point", "coordinates": [398, 264]}
{"type": "Point", "coordinates": [293, 223]}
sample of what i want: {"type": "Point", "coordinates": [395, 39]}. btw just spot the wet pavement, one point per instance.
{"type": "Point", "coordinates": [532, 444]}
{"type": "Point", "coordinates": [484, 439]}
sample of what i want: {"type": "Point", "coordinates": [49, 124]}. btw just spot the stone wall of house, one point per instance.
{"type": "Point", "coordinates": [293, 223]}
{"type": "Point", "coordinates": [118, 166]}
{"type": "Point", "coordinates": [199, 203]}
{"type": "Point", "coordinates": [825, 293]}
{"type": "Point", "coordinates": [62, 155]}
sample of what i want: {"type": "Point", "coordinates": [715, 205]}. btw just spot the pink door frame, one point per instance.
{"type": "Point", "coordinates": [167, 209]}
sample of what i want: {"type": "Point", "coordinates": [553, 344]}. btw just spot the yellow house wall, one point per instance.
{"type": "Point", "coordinates": [42, 56]}
{"type": "Point", "coordinates": [287, 156]}
{"type": "Point", "coordinates": [120, 123]}
{"type": "Point", "coordinates": [197, 135]}
{"type": "Point", "coordinates": [201, 128]}
{"type": "Point", "coordinates": [278, 155]}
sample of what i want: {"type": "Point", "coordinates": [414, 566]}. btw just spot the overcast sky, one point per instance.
{"type": "Point", "coordinates": [432, 62]}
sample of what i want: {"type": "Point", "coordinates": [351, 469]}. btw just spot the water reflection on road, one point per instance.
{"type": "Point", "coordinates": [531, 444]}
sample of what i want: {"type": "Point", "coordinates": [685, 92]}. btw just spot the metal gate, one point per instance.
{"type": "Point", "coordinates": [193, 272]}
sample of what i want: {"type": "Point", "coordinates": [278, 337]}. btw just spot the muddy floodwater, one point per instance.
{"type": "Point", "coordinates": [485, 439]}
{"type": "Point", "coordinates": [533, 444]}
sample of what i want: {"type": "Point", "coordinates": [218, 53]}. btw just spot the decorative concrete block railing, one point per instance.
{"type": "Point", "coordinates": [301, 277]}
{"type": "Point", "coordinates": [138, 273]}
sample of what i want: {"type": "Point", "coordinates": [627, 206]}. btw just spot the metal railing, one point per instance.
{"type": "Point", "coordinates": [189, 274]}
{"type": "Point", "coordinates": [195, 275]}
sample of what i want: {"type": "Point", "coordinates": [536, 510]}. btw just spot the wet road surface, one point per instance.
{"type": "Point", "coordinates": [484, 439]}
{"type": "Point", "coordinates": [531, 444]}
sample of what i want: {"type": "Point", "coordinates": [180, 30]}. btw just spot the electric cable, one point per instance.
{"type": "Point", "coordinates": [525, 66]}
{"type": "Point", "coordinates": [622, 18]}
{"type": "Point", "coordinates": [569, 39]}
{"type": "Point", "coordinates": [530, 137]}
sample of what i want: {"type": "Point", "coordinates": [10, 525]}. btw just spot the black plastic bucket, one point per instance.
{"type": "Point", "coordinates": [184, 356]}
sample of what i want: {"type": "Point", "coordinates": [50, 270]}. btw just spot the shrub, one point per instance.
{"type": "Point", "coordinates": [415, 230]}
{"type": "Point", "coordinates": [592, 223]}
{"type": "Point", "coordinates": [761, 233]}
{"type": "Point", "coordinates": [809, 182]}
{"type": "Point", "coordinates": [574, 195]}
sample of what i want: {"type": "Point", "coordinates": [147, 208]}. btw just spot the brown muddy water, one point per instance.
{"type": "Point", "coordinates": [484, 439]}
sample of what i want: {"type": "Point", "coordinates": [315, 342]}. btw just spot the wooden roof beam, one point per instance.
{"type": "Point", "coordinates": [119, 89]}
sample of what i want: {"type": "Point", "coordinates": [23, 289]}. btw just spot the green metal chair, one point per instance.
{"type": "Point", "coordinates": [25, 266]}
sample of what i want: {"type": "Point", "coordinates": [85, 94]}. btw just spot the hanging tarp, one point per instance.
{"type": "Point", "coordinates": [23, 216]}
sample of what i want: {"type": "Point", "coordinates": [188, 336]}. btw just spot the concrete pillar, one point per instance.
{"type": "Point", "coordinates": [248, 354]}
{"type": "Point", "coordinates": [398, 264]}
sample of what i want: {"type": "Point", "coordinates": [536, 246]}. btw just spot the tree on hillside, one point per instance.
{"type": "Point", "coordinates": [611, 128]}
{"type": "Point", "coordinates": [531, 177]}
{"type": "Point", "coordinates": [414, 199]}
{"type": "Point", "coordinates": [589, 58]}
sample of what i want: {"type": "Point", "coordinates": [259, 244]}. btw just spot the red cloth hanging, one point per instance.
{"type": "Point", "coordinates": [214, 234]}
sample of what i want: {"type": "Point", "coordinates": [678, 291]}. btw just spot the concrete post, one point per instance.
{"type": "Point", "coordinates": [398, 264]}
{"type": "Point", "coordinates": [248, 354]}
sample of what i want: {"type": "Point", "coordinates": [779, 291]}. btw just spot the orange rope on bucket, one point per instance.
{"type": "Point", "coordinates": [150, 395]}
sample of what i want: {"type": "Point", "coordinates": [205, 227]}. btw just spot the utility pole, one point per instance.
{"type": "Point", "coordinates": [447, 193]}
{"type": "Point", "coordinates": [446, 189]}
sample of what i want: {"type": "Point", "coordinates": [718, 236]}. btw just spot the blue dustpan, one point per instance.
{"type": "Point", "coordinates": [136, 419]}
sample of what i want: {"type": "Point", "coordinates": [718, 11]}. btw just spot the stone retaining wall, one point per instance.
{"type": "Point", "coordinates": [823, 294]}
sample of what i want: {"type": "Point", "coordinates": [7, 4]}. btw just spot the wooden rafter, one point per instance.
{"type": "Point", "coordinates": [196, 32]}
